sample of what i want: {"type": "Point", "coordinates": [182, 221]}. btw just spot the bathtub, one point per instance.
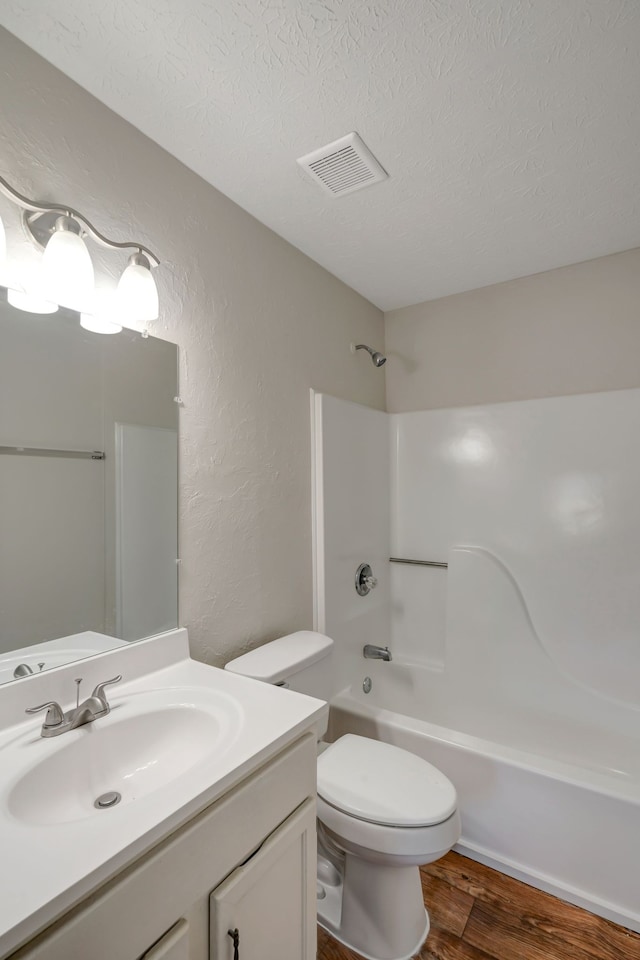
{"type": "Point", "coordinates": [545, 798]}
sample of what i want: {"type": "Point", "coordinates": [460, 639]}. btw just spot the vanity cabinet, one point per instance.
{"type": "Point", "coordinates": [247, 862]}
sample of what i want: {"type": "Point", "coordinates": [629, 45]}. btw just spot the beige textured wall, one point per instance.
{"type": "Point", "coordinates": [257, 324]}
{"type": "Point", "coordinates": [566, 331]}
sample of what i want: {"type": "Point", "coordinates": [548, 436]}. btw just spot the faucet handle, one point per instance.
{"type": "Point", "coordinates": [55, 713]}
{"type": "Point", "coordinates": [99, 690]}
{"type": "Point", "coordinates": [371, 582]}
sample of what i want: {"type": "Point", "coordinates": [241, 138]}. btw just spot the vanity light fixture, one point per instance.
{"type": "Point", "coordinates": [136, 293]}
{"type": "Point", "coordinates": [97, 324]}
{"type": "Point", "coordinates": [29, 301]}
{"type": "Point", "coordinates": [16, 295]}
{"type": "Point", "coordinates": [66, 276]}
{"type": "Point", "coordinates": [67, 270]}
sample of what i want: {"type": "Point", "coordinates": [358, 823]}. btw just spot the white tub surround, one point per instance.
{"type": "Point", "coordinates": [549, 489]}
{"type": "Point", "coordinates": [351, 480]}
{"type": "Point", "coordinates": [515, 663]}
{"type": "Point", "coordinates": [204, 731]}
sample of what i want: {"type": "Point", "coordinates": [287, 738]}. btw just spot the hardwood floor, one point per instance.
{"type": "Point", "coordinates": [479, 914]}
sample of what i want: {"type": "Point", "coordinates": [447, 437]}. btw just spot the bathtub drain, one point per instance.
{"type": "Point", "coordinates": [366, 684]}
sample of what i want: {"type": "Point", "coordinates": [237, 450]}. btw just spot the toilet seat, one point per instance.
{"type": "Point", "coordinates": [384, 844]}
{"type": "Point", "coordinates": [383, 785]}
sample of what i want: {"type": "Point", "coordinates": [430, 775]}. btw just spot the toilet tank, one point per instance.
{"type": "Point", "coordinates": [300, 661]}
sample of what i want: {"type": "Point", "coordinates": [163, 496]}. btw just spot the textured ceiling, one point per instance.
{"type": "Point", "coordinates": [510, 128]}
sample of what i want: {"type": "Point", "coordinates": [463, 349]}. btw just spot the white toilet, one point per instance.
{"type": "Point", "coordinates": [382, 812]}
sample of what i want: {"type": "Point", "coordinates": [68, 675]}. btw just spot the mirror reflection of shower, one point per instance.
{"type": "Point", "coordinates": [377, 358]}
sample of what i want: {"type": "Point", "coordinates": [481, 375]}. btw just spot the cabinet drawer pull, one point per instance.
{"type": "Point", "coordinates": [235, 936]}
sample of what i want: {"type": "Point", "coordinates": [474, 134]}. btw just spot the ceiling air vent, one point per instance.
{"type": "Point", "coordinates": [343, 166]}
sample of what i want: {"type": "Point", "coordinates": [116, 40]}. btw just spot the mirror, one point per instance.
{"type": "Point", "coordinates": [88, 490]}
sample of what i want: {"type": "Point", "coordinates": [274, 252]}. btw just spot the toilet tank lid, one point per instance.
{"type": "Point", "coordinates": [281, 658]}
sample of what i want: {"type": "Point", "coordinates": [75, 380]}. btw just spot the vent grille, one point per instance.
{"type": "Point", "coordinates": [343, 166]}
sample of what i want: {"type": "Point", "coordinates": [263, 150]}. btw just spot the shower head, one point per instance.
{"type": "Point", "coordinates": [376, 357]}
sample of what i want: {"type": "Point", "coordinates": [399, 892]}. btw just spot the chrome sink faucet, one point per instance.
{"type": "Point", "coordinates": [57, 721]}
{"type": "Point", "coordinates": [371, 652]}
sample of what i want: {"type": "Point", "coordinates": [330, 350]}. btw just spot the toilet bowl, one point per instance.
{"type": "Point", "coordinates": [382, 813]}
{"type": "Point", "coordinates": [387, 812]}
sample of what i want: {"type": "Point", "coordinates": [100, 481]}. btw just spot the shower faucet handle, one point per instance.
{"type": "Point", "coordinates": [365, 580]}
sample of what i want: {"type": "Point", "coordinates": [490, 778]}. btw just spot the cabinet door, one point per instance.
{"type": "Point", "coordinates": [271, 899]}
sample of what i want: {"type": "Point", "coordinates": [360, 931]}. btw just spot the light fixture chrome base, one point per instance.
{"type": "Point", "coordinates": [40, 226]}
{"type": "Point", "coordinates": [40, 217]}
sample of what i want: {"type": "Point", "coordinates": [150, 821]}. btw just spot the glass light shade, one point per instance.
{"type": "Point", "coordinates": [137, 294]}
{"type": "Point", "coordinates": [98, 324]}
{"type": "Point", "coordinates": [29, 302]}
{"type": "Point", "coordinates": [68, 271]}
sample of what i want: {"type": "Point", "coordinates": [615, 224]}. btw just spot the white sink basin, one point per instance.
{"type": "Point", "coordinates": [145, 743]}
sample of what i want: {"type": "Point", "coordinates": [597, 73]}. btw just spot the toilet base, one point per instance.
{"type": "Point", "coordinates": [326, 925]}
{"type": "Point", "coordinates": [376, 910]}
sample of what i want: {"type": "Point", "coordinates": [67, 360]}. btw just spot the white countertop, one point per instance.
{"type": "Point", "coordinates": [48, 868]}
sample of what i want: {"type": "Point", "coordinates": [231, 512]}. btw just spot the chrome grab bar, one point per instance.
{"type": "Point", "coordinates": [420, 563]}
{"type": "Point", "coordinates": [47, 452]}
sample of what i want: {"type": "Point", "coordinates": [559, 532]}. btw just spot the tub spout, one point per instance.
{"type": "Point", "coordinates": [371, 652]}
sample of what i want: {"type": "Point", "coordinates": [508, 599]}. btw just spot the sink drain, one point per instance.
{"type": "Point", "coordinates": [107, 800]}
